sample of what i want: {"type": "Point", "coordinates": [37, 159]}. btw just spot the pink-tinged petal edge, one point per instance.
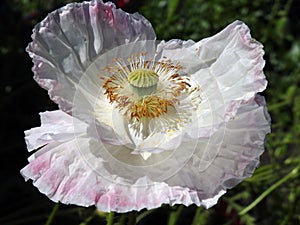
{"type": "Point", "coordinates": [240, 76]}
{"type": "Point", "coordinates": [62, 174]}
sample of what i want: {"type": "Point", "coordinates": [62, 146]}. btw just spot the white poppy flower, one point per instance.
{"type": "Point", "coordinates": [143, 122]}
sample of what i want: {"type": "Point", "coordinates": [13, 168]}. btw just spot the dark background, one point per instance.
{"type": "Point", "coordinates": [275, 23]}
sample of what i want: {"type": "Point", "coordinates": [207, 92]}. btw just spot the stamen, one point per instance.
{"type": "Point", "coordinates": [150, 107]}
{"type": "Point", "coordinates": [144, 89]}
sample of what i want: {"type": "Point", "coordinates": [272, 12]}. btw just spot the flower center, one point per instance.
{"type": "Point", "coordinates": [144, 89]}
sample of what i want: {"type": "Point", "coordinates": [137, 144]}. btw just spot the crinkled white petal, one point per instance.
{"type": "Point", "coordinates": [70, 38]}
{"type": "Point", "coordinates": [227, 66]}
{"type": "Point", "coordinates": [64, 174]}
{"type": "Point", "coordinates": [87, 172]}
{"type": "Point", "coordinates": [238, 144]}
{"type": "Point", "coordinates": [56, 126]}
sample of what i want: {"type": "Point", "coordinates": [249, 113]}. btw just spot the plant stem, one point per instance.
{"type": "Point", "coordinates": [196, 220]}
{"type": "Point", "coordinates": [132, 218]}
{"type": "Point", "coordinates": [293, 173]}
{"type": "Point", "coordinates": [122, 219]}
{"type": "Point", "coordinates": [110, 218]}
{"type": "Point", "coordinates": [143, 215]}
{"type": "Point", "coordinates": [88, 219]}
{"type": "Point", "coordinates": [52, 214]}
{"type": "Point", "coordinates": [175, 215]}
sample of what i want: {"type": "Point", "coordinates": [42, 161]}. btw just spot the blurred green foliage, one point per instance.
{"type": "Point", "coordinates": [272, 194]}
